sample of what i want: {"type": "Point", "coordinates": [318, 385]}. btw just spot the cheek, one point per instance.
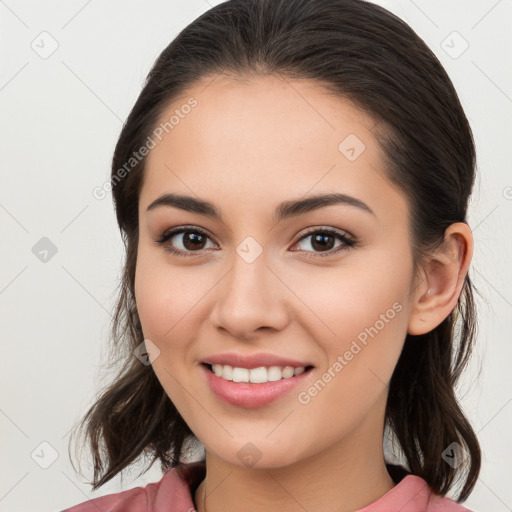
{"type": "Point", "coordinates": [361, 357]}
{"type": "Point", "coordinates": [343, 302]}
{"type": "Point", "coordinates": [169, 298]}
{"type": "Point", "coordinates": [165, 304]}
{"type": "Point", "coordinates": [149, 289]}
{"type": "Point", "coordinates": [157, 296]}
{"type": "Point", "coordinates": [361, 316]}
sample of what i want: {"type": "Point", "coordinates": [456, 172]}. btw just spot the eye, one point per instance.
{"type": "Point", "coordinates": [193, 241]}
{"type": "Point", "coordinates": [322, 240]}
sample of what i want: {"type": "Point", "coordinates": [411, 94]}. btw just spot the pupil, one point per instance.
{"type": "Point", "coordinates": [193, 238]}
{"type": "Point", "coordinates": [322, 245]}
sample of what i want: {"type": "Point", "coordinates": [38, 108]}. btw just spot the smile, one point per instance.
{"type": "Point", "coordinates": [248, 394]}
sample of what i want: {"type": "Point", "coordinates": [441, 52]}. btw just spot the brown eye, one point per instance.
{"type": "Point", "coordinates": [192, 240]}
{"type": "Point", "coordinates": [322, 241]}
{"type": "Point", "coordinates": [185, 240]}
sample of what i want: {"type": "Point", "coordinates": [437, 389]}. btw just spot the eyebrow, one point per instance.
{"type": "Point", "coordinates": [285, 210]}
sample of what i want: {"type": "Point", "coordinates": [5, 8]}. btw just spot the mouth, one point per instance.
{"type": "Point", "coordinates": [250, 395]}
{"type": "Point", "coordinates": [285, 374]}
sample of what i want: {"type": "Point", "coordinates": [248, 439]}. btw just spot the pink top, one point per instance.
{"type": "Point", "coordinates": [174, 493]}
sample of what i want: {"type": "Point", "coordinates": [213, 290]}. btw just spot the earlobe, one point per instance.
{"type": "Point", "coordinates": [437, 293]}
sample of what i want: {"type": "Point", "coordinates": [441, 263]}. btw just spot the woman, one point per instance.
{"type": "Point", "coordinates": [292, 188]}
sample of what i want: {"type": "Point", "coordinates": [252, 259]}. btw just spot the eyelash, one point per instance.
{"type": "Point", "coordinates": [348, 242]}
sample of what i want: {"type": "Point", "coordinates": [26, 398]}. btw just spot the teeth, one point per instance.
{"type": "Point", "coordinates": [256, 375]}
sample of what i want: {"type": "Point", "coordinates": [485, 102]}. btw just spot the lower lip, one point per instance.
{"type": "Point", "coordinates": [251, 395]}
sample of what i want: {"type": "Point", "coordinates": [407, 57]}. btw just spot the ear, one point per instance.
{"type": "Point", "coordinates": [441, 279]}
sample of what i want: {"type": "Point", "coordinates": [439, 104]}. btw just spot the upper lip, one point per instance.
{"type": "Point", "coordinates": [253, 360]}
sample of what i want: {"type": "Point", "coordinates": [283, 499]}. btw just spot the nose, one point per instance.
{"type": "Point", "coordinates": [251, 299]}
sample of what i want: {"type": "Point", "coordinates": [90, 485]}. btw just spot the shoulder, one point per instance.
{"type": "Point", "coordinates": [129, 501]}
{"type": "Point", "coordinates": [441, 504]}
{"type": "Point", "coordinates": [413, 494]}
{"type": "Point", "coordinates": [426, 499]}
{"type": "Point", "coordinates": [171, 493]}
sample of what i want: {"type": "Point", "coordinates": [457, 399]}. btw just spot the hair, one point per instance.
{"type": "Point", "coordinates": [360, 52]}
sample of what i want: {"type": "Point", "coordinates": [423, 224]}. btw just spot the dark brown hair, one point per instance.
{"type": "Point", "coordinates": [357, 51]}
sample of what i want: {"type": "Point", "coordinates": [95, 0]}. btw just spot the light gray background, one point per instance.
{"type": "Point", "coordinates": [60, 118]}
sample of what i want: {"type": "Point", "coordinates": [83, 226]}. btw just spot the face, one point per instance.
{"type": "Point", "coordinates": [329, 286]}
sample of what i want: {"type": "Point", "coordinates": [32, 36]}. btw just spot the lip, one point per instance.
{"type": "Point", "coordinates": [251, 395]}
{"type": "Point", "coordinates": [253, 360]}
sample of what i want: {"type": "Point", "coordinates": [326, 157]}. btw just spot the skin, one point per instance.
{"type": "Point", "coordinates": [246, 147]}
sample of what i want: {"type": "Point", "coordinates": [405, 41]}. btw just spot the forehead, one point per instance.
{"type": "Point", "coordinates": [265, 139]}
